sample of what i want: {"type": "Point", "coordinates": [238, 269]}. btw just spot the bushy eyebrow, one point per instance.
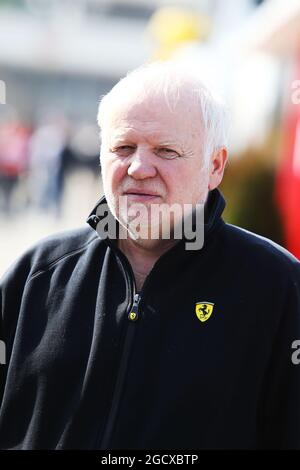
{"type": "Point", "coordinates": [126, 136]}
{"type": "Point", "coordinates": [161, 144]}
{"type": "Point", "coordinates": [168, 144]}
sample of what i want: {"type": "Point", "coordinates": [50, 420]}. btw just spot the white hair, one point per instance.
{"type": "Point", "coordinates": [175, 83]}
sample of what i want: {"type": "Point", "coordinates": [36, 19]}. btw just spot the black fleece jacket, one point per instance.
{"type": "Point", "coordinates": [87, 369]}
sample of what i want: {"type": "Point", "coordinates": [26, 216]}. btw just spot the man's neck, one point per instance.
{"type": "Point", "coordinates": [142, 256]}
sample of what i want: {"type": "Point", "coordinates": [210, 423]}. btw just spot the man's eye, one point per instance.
{"type": "Point", "coordinates": [167, 153]}
{"type": "Point", "coordinates": [123, 149]}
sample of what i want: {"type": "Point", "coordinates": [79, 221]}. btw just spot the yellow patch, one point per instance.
{"type": "Point", "coordinates": [204, 310]}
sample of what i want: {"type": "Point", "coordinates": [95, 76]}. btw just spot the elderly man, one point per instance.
{"type": "Point", "coordinates": [116, 339]}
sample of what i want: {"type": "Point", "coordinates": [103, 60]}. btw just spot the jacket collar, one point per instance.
{"type": "Point", "coordinates": [213, 210]}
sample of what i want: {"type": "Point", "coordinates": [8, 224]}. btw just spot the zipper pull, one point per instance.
{"type": "Point", "coordinates": [134, 314]}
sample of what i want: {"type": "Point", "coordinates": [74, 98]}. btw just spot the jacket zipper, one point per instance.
{"type": "Point", "coordinates": [133, 316]}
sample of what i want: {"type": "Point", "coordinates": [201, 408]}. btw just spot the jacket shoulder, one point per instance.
{"type": "Point", "coordinates": [265, 254]}
{"type": "Point", "coordinates": [48, 251]}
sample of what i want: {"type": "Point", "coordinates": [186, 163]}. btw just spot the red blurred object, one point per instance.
{"type": "Point", "coordinates": [288, 176]}
{"type": "Point", "coordinates": [13, 149]}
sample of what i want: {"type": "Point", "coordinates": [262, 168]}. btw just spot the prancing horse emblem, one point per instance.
{"type": "Point", "coordinates": [204, 310]}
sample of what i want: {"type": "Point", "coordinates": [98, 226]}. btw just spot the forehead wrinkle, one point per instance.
{"type": "Point", "coordinates": [130, 124]}
{"type": "Point", "coordinates": [185, 145]}
{"type": "Point", "coordinates": [150, 135]}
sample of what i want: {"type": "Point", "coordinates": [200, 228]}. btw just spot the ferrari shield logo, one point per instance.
{"type": "Point", "coordinates": [204, 310]}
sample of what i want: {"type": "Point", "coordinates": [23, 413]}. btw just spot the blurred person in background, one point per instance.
{"type": "Point", "coordinates": [125, 342]}
{"type": "Point", "coordinates": [14, 138]}
{"type": "Point", "coordinates": [46, 165]}
{"type": "Point", "coordinates": [84, 145]}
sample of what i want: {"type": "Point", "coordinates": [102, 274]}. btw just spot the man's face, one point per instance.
{"type": "Point", "coordinates": [153, 155]}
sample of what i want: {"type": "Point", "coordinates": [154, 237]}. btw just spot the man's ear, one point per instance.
{"type": "Point", "coordinates": [217, 167]}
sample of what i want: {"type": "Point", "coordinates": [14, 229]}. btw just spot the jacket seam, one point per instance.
{"type": "Point", "coordinates": [268, 244]}
{"type": "Point", "coordinates": [57, 260]}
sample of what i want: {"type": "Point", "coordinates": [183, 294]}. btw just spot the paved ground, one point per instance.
{"type": "Point", "coordinates": [19, 233]}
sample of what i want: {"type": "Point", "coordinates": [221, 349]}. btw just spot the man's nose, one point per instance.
{"type": "Point", "coordinates": [141, 165]}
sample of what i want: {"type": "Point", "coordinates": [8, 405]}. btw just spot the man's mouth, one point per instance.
{"type": "Point", "coordinates": [141, 193]}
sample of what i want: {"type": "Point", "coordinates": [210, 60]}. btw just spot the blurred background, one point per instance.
{"type": "Point", "coordinates": [57, 57]}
